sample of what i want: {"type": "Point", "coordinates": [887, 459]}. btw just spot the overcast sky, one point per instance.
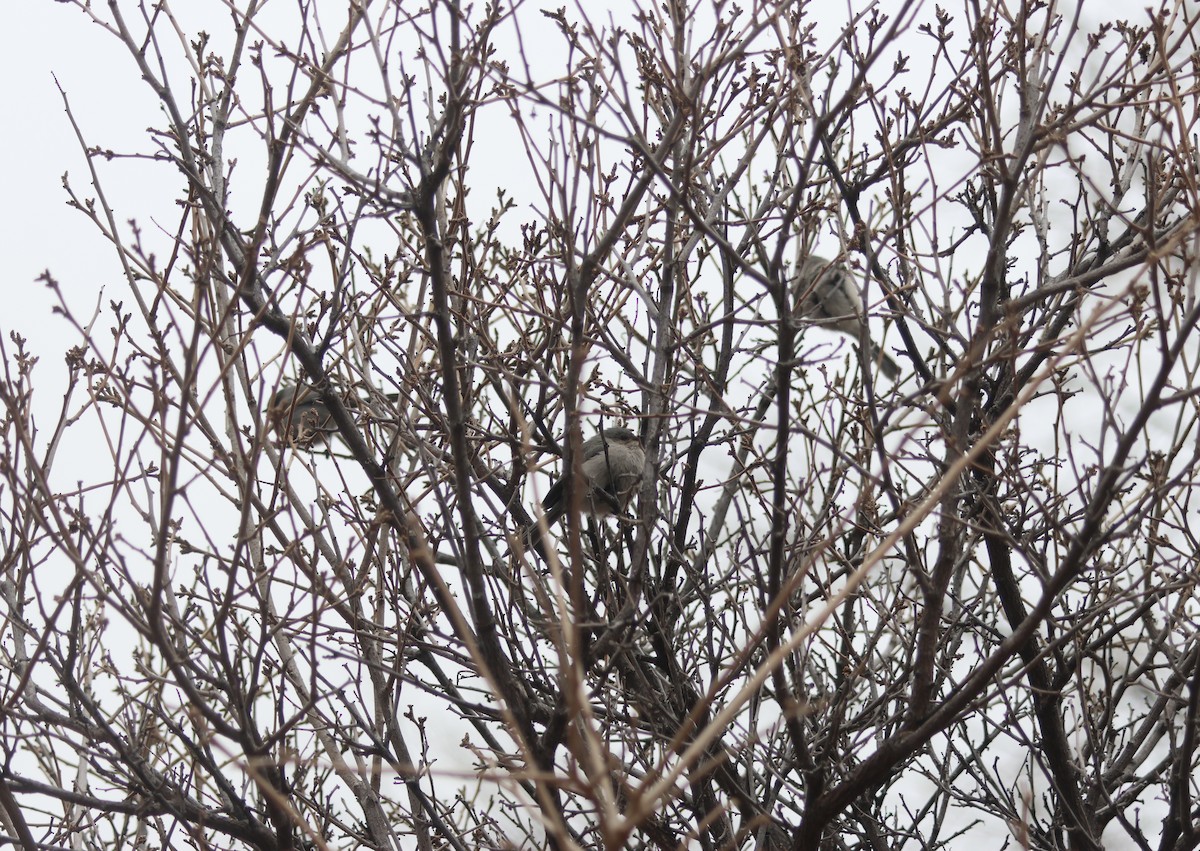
{"type": "Point", "coordinates": [38, 232]}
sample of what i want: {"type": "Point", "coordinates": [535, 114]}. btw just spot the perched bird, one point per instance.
{"type": "Point", "coordinates": [299, 417]}
{"type": "Point", "coordinates": [612, 470]}
{"type": "Point", "coordinates": [826, 295]}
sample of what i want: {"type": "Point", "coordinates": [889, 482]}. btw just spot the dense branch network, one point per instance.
{"type": "Point", "coordinates": [899, 311]}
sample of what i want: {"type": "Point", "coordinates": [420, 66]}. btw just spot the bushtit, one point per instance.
{"type": "Point", "coordinates": [299, 417]}
{"type": "Point", "coordinates": [826, 295]}
{"type": "Point", "coordinates": [302, 420]}
{"type": "Point", "coordinates": [612, 469]}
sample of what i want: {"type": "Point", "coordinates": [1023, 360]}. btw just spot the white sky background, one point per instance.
{"type": "Point", "coordinates": [39, 232]}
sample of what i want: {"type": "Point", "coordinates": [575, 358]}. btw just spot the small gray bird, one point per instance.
{"type": "Point", "coordinates": [299, 417]}
{"type": "Point", "coordinates": [826, 295]}
{"type": "Point", "coordinates": [612, 470]}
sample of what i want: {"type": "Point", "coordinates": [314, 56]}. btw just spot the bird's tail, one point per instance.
{"type": "Point", "coordinates": [885, 362]}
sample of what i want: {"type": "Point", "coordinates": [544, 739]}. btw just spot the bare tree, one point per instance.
{"type": "Point", "coordinates": [453, 242]}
